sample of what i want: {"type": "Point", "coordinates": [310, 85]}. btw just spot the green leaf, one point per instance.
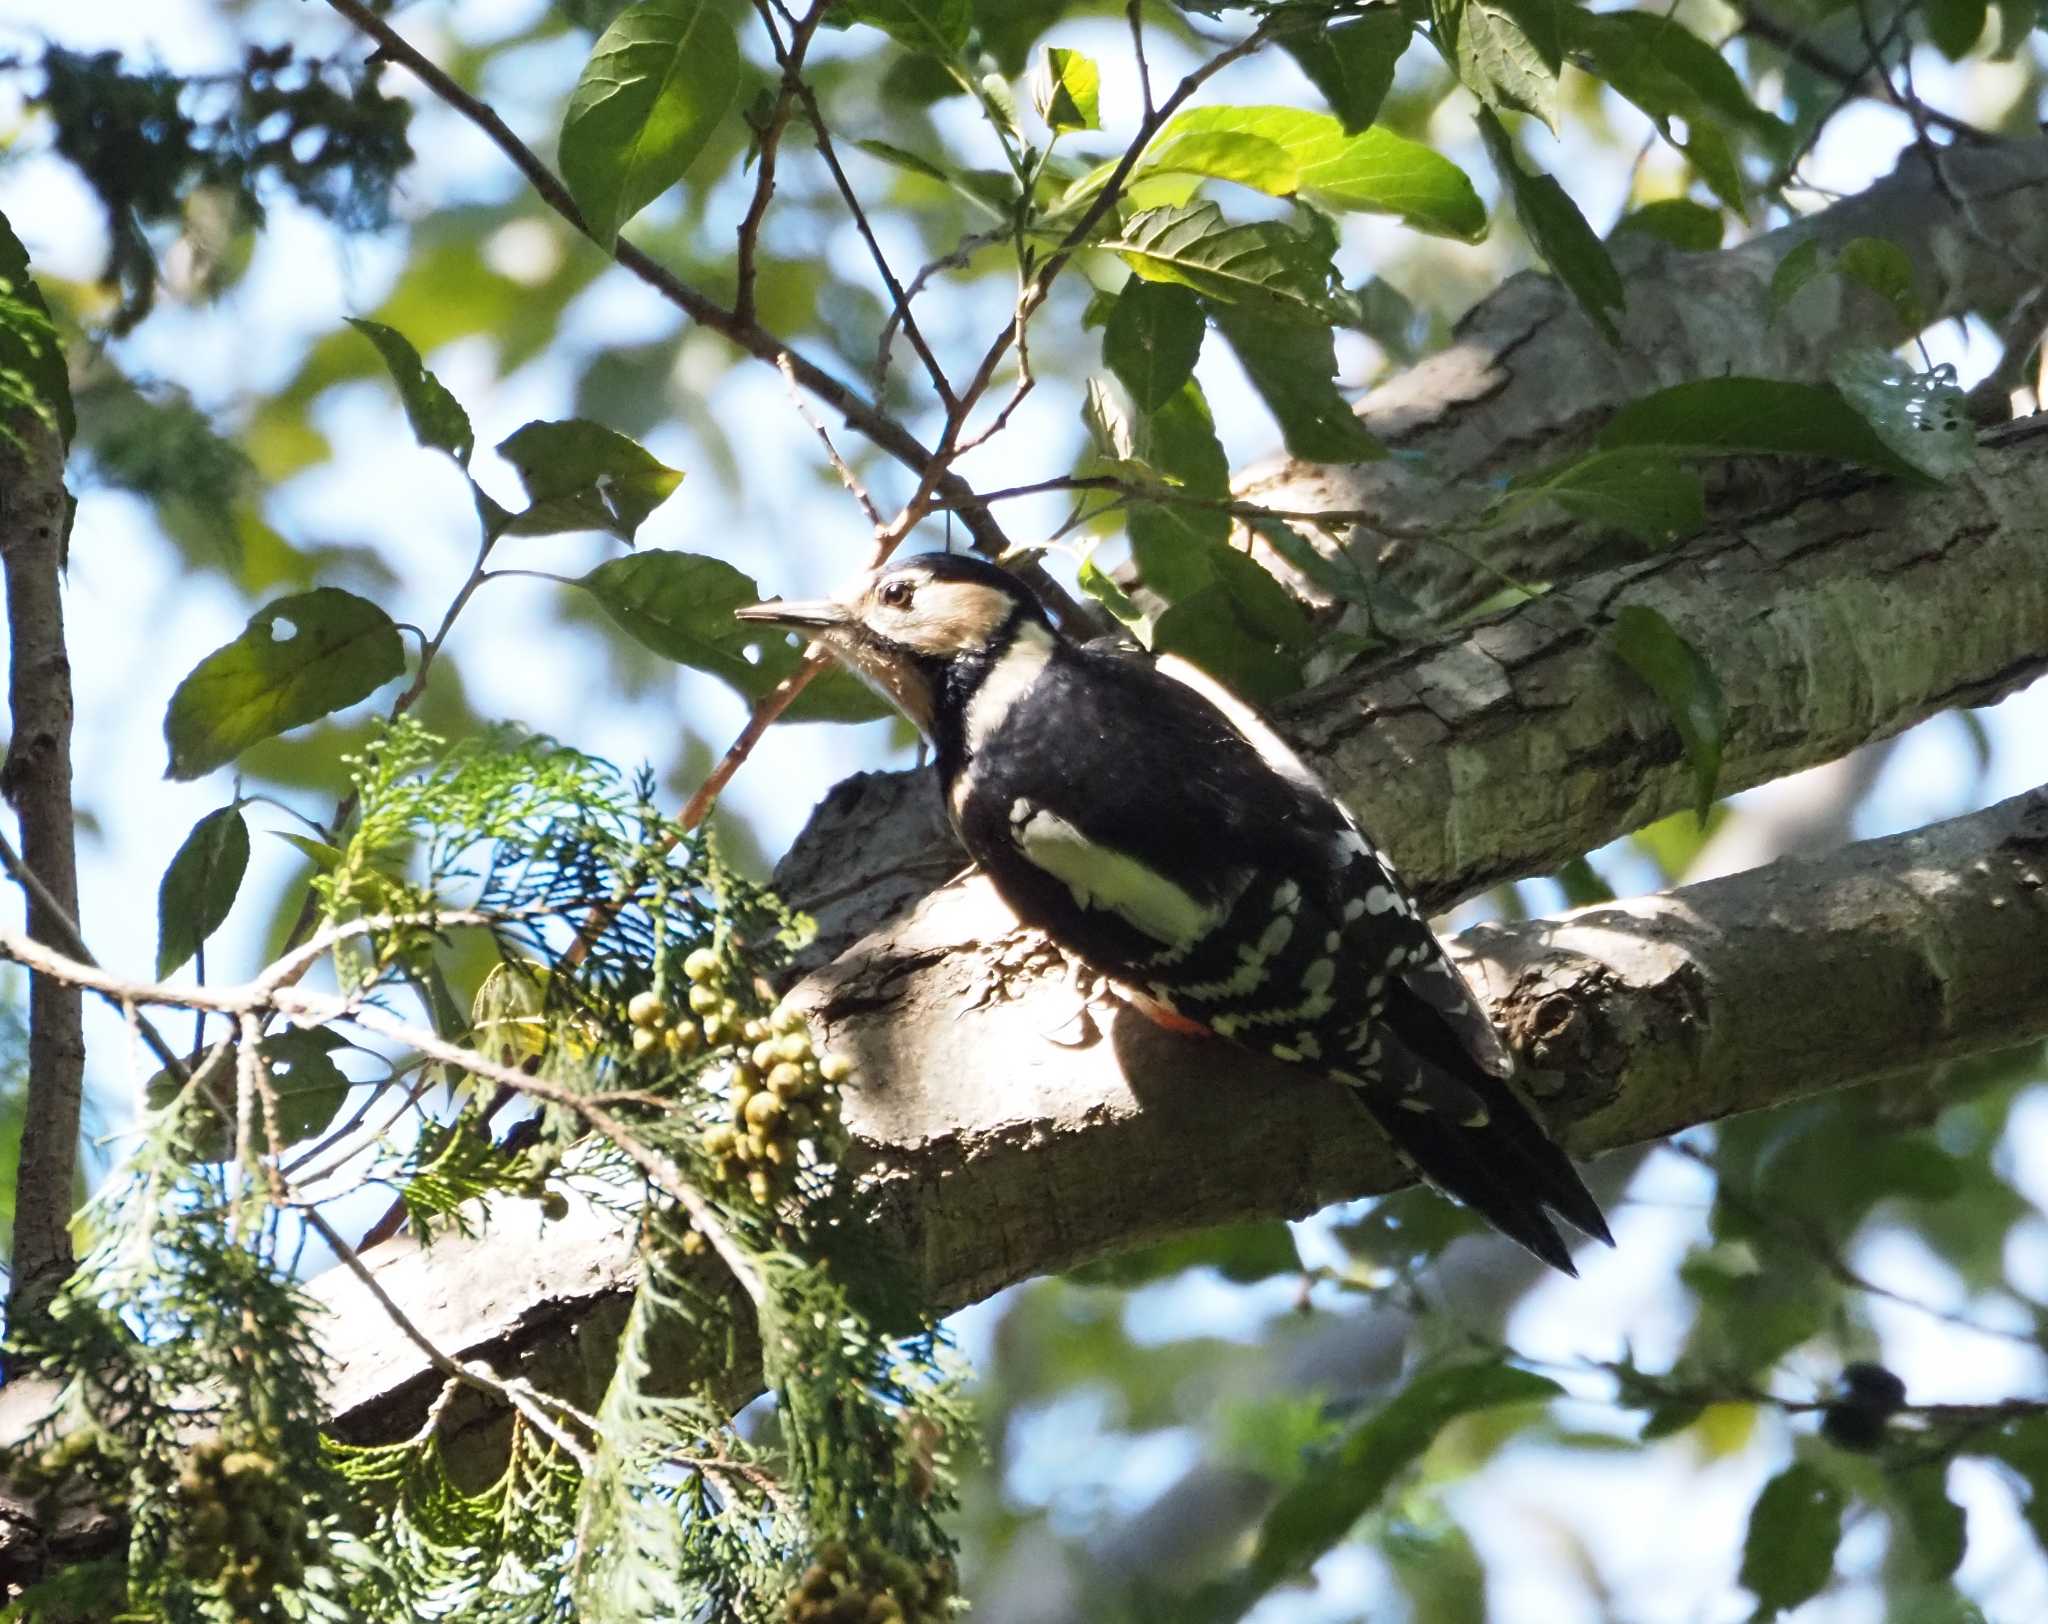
{"type": "Point", "coordinates": [680, 605]}
{"type": "Point", "coordinates": [1283, 151]}
{"type": "Point", "coordinates": [199, 887]}
{"type": "Point", "coordinates": [581, 475]}
{"type": "Point", "coordinates": [1934, 1521]}
{"type": "Point", "coordinates": [1801, 264]}
{"type": "Point", "coordinates": [1881, 266]}
{"type": "Point", "coordinates": [1097, 582]}
{"type": "Point", "coordinates": [310, 1088]}
{"type": "Point", "coordinates": [937, 27]}
{"type": "Point", "coordinates": [437, 418]}
{"type": "Point", "coordinates": [1732, 416]}
{"type": "Point", "coordinates": [2016, 21]}
{"type": "Point", "coordinates": [1352, 64]}
{"type": "Point", "coordinates": [1066, 90]}
{"type": "Point", "coordinates": [1669, 1419]}
{"type": "Point", "coordinates": [32, 372]}
{"type": "Point", "coordinates": [1152, 339]}
{"type": "Point", "coordinates": [1293, 366]}
{"type": "Point", "coordinates": [654, 89]}
{"type": "Point", "coordinates": [1214, 628]}
{"type": "Point", "coordinates": [1955, 26]}
{"type": "Point", "coordinates": [1923, 416]}
{"type": "Point", "coordinates": [2022, 1444]}
{"type": "Point", "coordinates": [1794, 1528]}
{"type": "Point", "coordinates": [1239, 1252]}
{"type": "Point", "coordinates": [1314, 1514]}
{"type": "Point", "coordinates": [1506, 52]}
{"type": "Point", "coordinates": [1644, 490]}
{"type": "Point", "coordinates": [298, 659]}
{"type": "Point", "coordinates": [1677, 220]}
{"type": "Point", "coordinates": [1558, 232]}
{"type": "Point", "coordinates": [1263, 262]}
{"type": "Point", "coordinates": [1656, 652]}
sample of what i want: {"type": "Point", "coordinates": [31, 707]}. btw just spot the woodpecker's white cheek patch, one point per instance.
{"type": "Point", "coordinates": [1100, 877]}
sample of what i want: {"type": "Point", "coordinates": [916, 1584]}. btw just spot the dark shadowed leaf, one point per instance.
{"type": "Point", "coordinates": [1729, 416]}
{"type": "Point", "coordinates": [1066, 90]}
{"type": "Point", "coordinates": [1152, 339]}
{"type": "Point", "coordinates": [32, 371]}
{"type": "Point", "coordinates": [1314, 1514]}
{"type": "Point", "coordinates": [1935, 1522]}
{"type": "Point", "coordinates": [1352, 64]}
{"type": "Point", "coordinates": [1955, 26]}
{"type": "Point", "coordinates": [1794, 1528]}
{"type": "Point", "coordinates": [199, 887]}
{"type": "Point", "coordinates": [680, 605]}
{"type": "Point", "coordinates": [654, 89]}
{"type": "Point", "coordinates": [1656, 652]}
{"type": "Point", "coordinates": [1644, 490]}
{"type": "Point", "coordinates": [1240, 1252]}
{"type": "Point", "coordinates": [297, 659]}
{"type": "Point", "coordinates": [1676, 220]}
{"type": "Point", "coordinates": [581, 475]}
{"type": "Point", "coordinates": [1293, 366]}
{"type": "Point", "coordinates": [1878, 265]}
{"type": "Point", "coordinates": [437, 418]}
{"type": "Point", "coordinates": [1558, 232]}
{"type": "Point", "coordinates": [309, 1086]}
{"type": "Point", "coordinates": [1923, 416]}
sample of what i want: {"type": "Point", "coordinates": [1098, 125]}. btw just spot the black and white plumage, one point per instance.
{"type": "Point", "coordinates": [1148, 821]}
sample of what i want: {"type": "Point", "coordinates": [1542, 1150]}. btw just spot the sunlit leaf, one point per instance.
{"type": "Point", "coordinates": [649, 98]}
{"type": "Point", "coordinates": [199, 887]}
{"type": "Point", "coordinates": [32, 371]}
{"type": "Point", "coordinates": [1066, 90]}
{"type": "Point", "coordinates": [1152, 339]}
{"type": "Point", "coordinates": [1794, 1527]}
{"type": "Point", "coordinates": [1286, 150]}
{"type": "Point", "coordinates": [1352, 63]}
{"type": "Point", "coordinates": [298, 659]}
{"type": "Point", "coordinates": [1262, 262]}
{"type": "Point", "coordinates": [1506, 52]}
{"type": "Point", "coordinates": [581, 475]}
{"type": "Point", "coordinates": [437, 418]}
{"type": "Point", "coordinates": [1558, 232]}
{"type": "Point", "coordinates": [1658, 653]}
{"type": "Point", "coordinates": [938, 27]}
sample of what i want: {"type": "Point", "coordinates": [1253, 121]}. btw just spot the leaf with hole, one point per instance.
{"type": "Point", "coordinates": [655, 88]}
{"type": "Point", "coordinates": [1152, 340]}
{"type": "Point", "coordinates": [1768, 416]}
{"type": "Point", "coordinates": [297, 660]}
{"type": "Point", "coordinates": [1352, 63]}
{"type": "Point", "coordinates": [1923, 416]}
{"type": "Point", "coordinates": [680, 605]}
{"type": "Point", "coordinates": [1066, 90]}
{"type": "Point", "coordinates": [309, 1087]}
{"type": "Point", "coordinates": [1558, 231]}
{"type": "Point", "coordinates": [1293, 366]}
{"type": "Point", "coordinates": [199, 886]}
{"type": "Point", "coordinates": [1658, 653]}
{"type": "Point", "coordinates": [581, 475]}
{"type": "Point", "coordinates": [437, 418]}
{"type": "Point", "coordinates": [1794, 1527]}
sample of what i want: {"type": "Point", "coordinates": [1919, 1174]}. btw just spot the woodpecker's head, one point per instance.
{"type": "Point", "coordinates": [923, 632]}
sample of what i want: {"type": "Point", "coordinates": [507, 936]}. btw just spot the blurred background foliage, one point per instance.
{"type": "Point", "coordinates": [206, 190]}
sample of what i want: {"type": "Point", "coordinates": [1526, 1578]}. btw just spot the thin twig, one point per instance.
{"type": "Point", "coordinates": [847, 476]}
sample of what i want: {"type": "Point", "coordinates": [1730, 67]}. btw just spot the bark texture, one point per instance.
{"type": "Point", "coordinates": [36, 780]}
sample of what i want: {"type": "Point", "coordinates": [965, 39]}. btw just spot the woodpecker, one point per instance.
{"type": "Point", "coordinates": [1148, 821]}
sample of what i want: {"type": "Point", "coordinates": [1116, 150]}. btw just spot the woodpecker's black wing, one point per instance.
{"type": "Point", "coordinates": [1154, 826]}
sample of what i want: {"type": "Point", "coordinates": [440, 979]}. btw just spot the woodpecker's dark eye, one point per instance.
{"type": "Point", "coordinates": [896, 594]}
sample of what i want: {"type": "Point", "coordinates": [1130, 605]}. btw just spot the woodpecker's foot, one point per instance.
{"type": "Point", "coordinates": [1026, 955]}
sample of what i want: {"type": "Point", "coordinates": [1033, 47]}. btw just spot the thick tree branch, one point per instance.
{"type": "Point", "coordinates": [1528, 381]}
{"type": "Point", "coordinates": [36, 780]}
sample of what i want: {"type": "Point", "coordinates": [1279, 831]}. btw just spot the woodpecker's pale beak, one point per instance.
{"type": "Point", "coordinates": [816, 615]}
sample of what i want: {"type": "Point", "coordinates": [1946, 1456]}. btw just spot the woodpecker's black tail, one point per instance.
{"type": "Point", "coordinates": [1471, 1135]}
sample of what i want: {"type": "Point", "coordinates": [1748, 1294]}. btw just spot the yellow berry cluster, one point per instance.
{"type": "Point", "coordinates": [240, 1526]}
{"type": "Point", "coordinates": [869, 1586]}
